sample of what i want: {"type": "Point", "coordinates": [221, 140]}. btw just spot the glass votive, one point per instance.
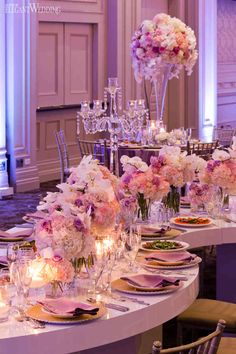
{"type": "Point", "coordinates": [4, 303]}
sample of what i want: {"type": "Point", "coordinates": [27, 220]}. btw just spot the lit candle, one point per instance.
{"type": "Point", "coordinates": [99, 247]}
{"type": "Point", "coordinates": [37, 273]}
{"type": "Point", "coordinates": [108, 243]}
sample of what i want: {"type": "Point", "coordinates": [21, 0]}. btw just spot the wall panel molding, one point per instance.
{"type": "Point", "coordinates": [50, 64]}
{"type": "Point", "coordinates": [78, 54]}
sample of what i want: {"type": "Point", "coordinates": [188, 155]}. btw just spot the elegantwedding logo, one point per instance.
{"type": "Point", "coordinates": [13, 8]}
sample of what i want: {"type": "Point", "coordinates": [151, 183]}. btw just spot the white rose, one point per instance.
{"type": "Point", "coordinates": [220, 155]}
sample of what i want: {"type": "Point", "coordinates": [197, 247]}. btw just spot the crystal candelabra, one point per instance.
{"type": "Point", "coordinates": [99, 118]}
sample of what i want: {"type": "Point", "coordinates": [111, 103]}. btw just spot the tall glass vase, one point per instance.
{"type": "Point", "coordinates": [172, 200]}
{"type": "Point", "coordinates": [143, 207]}
{"type": "Point", "coordinates": [163, 74]}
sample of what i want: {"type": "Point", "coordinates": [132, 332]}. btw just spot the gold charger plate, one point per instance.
{"type": "Point", "coordinates": [167, 235]}
{"type": "Point", "coordinates": [123, 286]}
{"type": "Point", "coordinates": [169, 265]}
{"type": "Point", "coordinates": [36, 312]}
{"type": "Point", "coordinates": [14, 239]}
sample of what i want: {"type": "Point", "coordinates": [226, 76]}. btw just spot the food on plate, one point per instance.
{"type": "Point", "coordinates": [185, 220]}
{"type": "Point", "coordinates": [162, 245]}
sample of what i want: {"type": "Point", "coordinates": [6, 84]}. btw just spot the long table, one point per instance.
{"type": "Point", "coordinates": [120, 332]}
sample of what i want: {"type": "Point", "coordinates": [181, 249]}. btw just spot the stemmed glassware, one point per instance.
{"type": "Point", "coordinates": [132, 244]}
{"type": "Point", "coordinates": [22, 278]}
{"type": "Point", "coordinates": [95, 265]}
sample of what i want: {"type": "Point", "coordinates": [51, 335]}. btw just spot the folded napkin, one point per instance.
{"type": "Point", "coordinates": [151, 280]}
{"type": "Point", "coordinates": [68, 306]}
{"type": "Point", "coordinates": [37, 215]}
{"type": "Point", "coordinates": [180, 256]}
{"type": "Point", "coordinates": [185, 199]}
{"type": "Point", "coordinates": [146, 229]}
{"type": "Point", "coordinates": [13, 234]}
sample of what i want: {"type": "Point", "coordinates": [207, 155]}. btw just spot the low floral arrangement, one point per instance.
{"type": "Point", "coordinates": [176, 167]}
{"type": "Point", "coordinates": [164, 39]}
{"type": "Point", "coordinates": [85, 207]}
{"type": "Point", "coordinates": [200, 194]}
{"type": "Point", "coordinates": [140, 184]}
{"type": "Point", "coordinates": [221, 170]}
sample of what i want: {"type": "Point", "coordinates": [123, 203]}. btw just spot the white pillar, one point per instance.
{"type": "Point", "coordinates": [5, 190]}
{"type": "Point", "coordinates": [21, 34]}
{"type": "Point", "coordinates": [207, 67]}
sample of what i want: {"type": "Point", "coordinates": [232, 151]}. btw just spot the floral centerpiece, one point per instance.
{"type": "Point", "coordinates": [160, 48]}
{"type": "Point", "coordinates": [85, 207]}
{"type": "Point", "coordinates": [200, 194]}
{"type": "Point", "coordinates": [177, 168]}
{"type": "Point", "coordinates": [140, 184]}
{"type": "Point", "coordinates": [164, 39]}
{"type": "Point", "coordinates": [220, 171]}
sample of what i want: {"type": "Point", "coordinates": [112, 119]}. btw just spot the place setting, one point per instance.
{"type": "Point", "coordinates": [65, 310]}
{"type": "Point", "coordinates": [168, 260]}
{"type": "Point", "coordinates": [146, 284]}
{"type": "Point", "coordinates": [155, 231]}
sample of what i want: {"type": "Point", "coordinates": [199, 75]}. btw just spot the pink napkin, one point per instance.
{"type": "Point", "coordinates": [153, 230]}
{"type": "Point", "coordinates": [65, 305]}
{"type": "Point", "coordinates": [171, 256]}
{"type": "Point", "coordinates": [185, 200]}
{"type": "Point", "coordinates": [37, 215]}
{"type": "Point", "coordinates": [20, 233]}
{"type": "Point", "coordinates": [151, 280]}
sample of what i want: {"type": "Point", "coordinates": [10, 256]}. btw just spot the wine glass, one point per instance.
{"type": "Point", "coordinates": [132, 244]}
{"type": "Point", "coordinates": [12, 256]}
{"type": "Point", "coordinates": [189, 133]}
{"type": "Point", "coordinates": [109, 266]}
{"type": "Point", "coordinates": [26, 252]}
{"type": "Point", "coordinates": [22, 278]}
{"type": "Point", "coordinates": [12, 253]}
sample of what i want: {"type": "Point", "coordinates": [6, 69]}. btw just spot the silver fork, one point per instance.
{"type": "Point", "coordinates": [33, 323]}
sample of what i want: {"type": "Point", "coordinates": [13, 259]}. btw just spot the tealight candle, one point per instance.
{"type": "Point", "coordinates": [37, 270]}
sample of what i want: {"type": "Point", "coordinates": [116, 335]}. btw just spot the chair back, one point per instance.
{"type": "Point", "coordinates": [97, 149]}
{"type": "Point", "coordinates": [63, 154]}
{"type": "Point", "coordinates": [224, 135]}
{"type": "Point", "coordinates": [205, 345]}
{"type": "Point", "coordinates": [203, 150]}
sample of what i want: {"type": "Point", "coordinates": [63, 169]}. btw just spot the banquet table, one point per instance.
{"type": "Point", "coordinates": [116, 332]}
{"type": "Point", "coordinates": [120, 332]}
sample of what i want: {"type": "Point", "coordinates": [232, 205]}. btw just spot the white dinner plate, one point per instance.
{"type": "Point", "coordinates": [193, 263]}
{"type": "Point", "coordinates": [184, 246]}
{"type": "Point", "coordinates": [175, 221]}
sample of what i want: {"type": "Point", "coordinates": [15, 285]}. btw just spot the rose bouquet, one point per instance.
{"type": "Point", "coordinates": [164, 39]}
{"type": "Point", "coordinates": [141, 182]}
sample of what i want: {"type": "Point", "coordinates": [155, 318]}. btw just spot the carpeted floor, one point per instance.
{"type": "Point", "coordinates": [11, 213]}
{"type": "Point", "coordinates": [12, 210]}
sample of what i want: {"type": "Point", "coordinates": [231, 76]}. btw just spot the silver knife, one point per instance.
{"type": "Point", "coordinates": [112, 306]}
